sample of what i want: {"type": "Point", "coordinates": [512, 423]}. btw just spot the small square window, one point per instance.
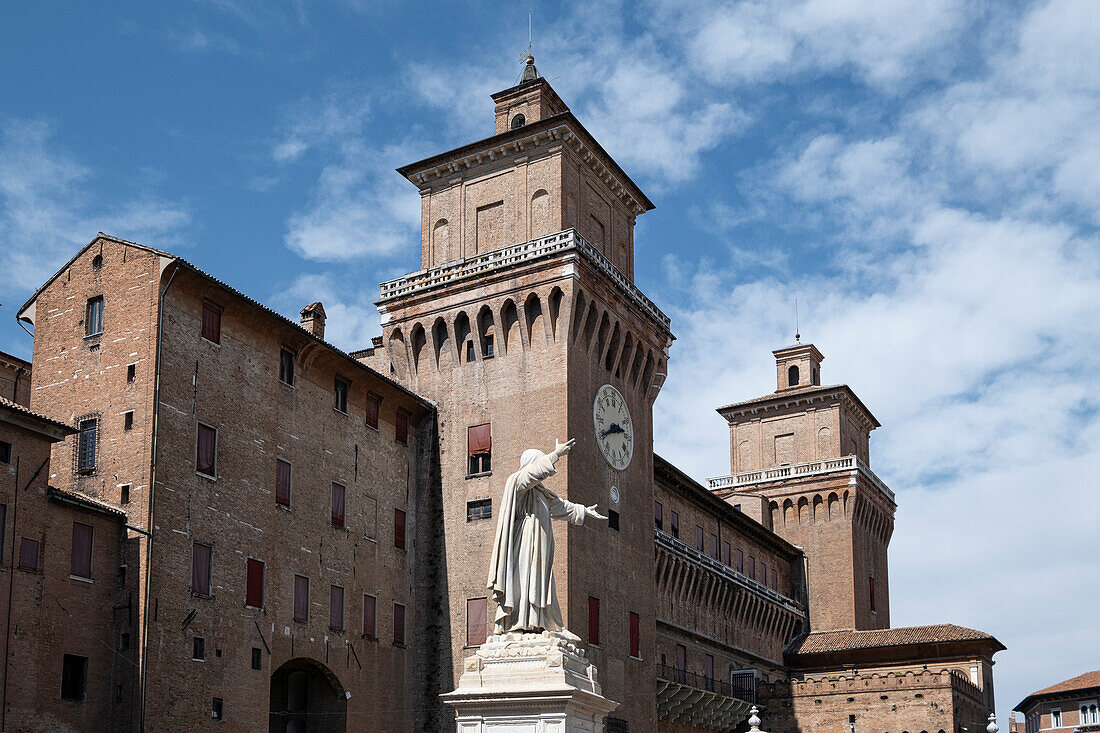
{"type": "Point", "coordinates": [340, 395]}
{"type": "Point", "coordinates": [131, 373]}
{"type": "Point", "coordinates": [128, 420]}
{"type": "Point", "coordinates": [479, 509]}
{"type": "Point", "coordinates": [5, 451]}
{"type": "Point", "coordinates": [74, 678]}
{"type": "Point", "coordinates": [198, 649]}
{"type": "Point", "coordinates": [257, 658]}
{"type": "Point", "coordinates": [613, 519]}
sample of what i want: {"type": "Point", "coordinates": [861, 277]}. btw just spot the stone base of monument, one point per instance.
{"type": "Point", "coordinates": [529, 683]}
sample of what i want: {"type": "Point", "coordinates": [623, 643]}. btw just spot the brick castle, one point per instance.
{"type": "Point", "coordinates": [171, 561]}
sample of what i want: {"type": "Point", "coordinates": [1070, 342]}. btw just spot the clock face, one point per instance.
{"type": "Point", "coordinates": [614, 429]}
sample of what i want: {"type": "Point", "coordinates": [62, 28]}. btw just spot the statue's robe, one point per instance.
{"type": "Point", "coordinates": [521, 570]}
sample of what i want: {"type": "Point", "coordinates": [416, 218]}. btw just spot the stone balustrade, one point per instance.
{"type": "Point", "coordinates": [799, 470]}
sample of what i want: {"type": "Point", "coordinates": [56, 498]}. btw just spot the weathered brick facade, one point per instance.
{"type": "Point", "coordinates": [228, 439]}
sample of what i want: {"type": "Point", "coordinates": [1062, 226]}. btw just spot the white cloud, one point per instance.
{"type": "Point", "coordinates": [351, 317]}
{"type": "Point", "coordinates": [49, 207]}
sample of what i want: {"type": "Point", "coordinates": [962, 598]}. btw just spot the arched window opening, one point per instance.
{"type": "Point", "coordinates": [612, 349]}
{"type": "Point", "coordinates": [418, 341]}
{"type": "Point", "coordinates": [97, 262]}
{"type": "Point", "coordinates": [519, 121]}
{"type": "Point", "coordinates": [792, 375]}
{"type": "Point", "coordinates": [577, 316]}
{"type": "Point", "coordinates": [816, 376]}
{"type": "Point", "coordinates": [509, 320]}
{"type": "Point", "coordinates": [464, 339]}
{"type": "Point", "coordinates": [440, 338]}
{"type": "Point", "coordinates": [532, 311]}
{"type": "Point", "coordinates": [486, 333]}
{"type": "Point", "coordinates": [555, 310]}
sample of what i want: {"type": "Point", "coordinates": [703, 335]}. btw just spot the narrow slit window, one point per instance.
{"type": "Point", "coordinates": [635, 635]}
{"type": "Point", "coordinates": [613, 520]}
{"type": "Point", "coordinates": [131, 373]}
{"type": "Point", "coordinates": [336, 608]}
{"type": "Point", "coordinates": [206, 450]}
{"type": "Point", "coordinates": [674, 524]}
{"type": "Point", "coordinates": [286, 367]}
{"type": "Point", "coordinates": [658, 515]}
{"type": "Point", "coordinates": [282, 482]}
{"type": "Point", "coordinates": [698, 538]}
{"type": "Point", "coordinates": [398, 624]}
{"type": "Point", "coordinates": [128, 420]}
{"type": "Point", "coordinates": [370, 617]}
{"type": "Point", "coordinates": [301, 598]}
{"type": "Point", "coordinates": [93, 316]}
{"type": "Point", "coordinates": [593, 620]}
{"type": "Point", "coordinates": [340, 394]}
{"type": "Point", "coordinates": [399, 529]}
{"type": "Point", "coordinates": [338, 495]}
{"type": "Point", "coordinates": [200, 569]}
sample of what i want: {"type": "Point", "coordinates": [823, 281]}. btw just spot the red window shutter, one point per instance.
{"type": "Point", "coordinates": [301, 598]}
{"type": "Point", "coordinates": [282, 482]}
{"type": "Point", "coordinates": [402, 434]}
{"type": "Point", "coordinates": [593, 620]}
{"type": "Point", "coordinates": [28, 554]}
{"type": "Point", "coordinates": [211, 322]}
{"type": "Point", "coordinates": [370, 608]}
{"type": "Point", "coordinates": [373, 403]}
{"type": "Point", "coordinates": [398, 624]}
{"type": "Point", "coordinates": [336, 608]}
{"type": "Point", "coordinates": [480, 440]}
{"type": "Point", "coordinates": [338, 493]}
{"type": "Point", "coordinates": [80, 560]}
{"type": "Point", "coordinates": [205, 450]}
{"type": "Point", "coordinates": [476, 616]}
{"type": "Point", "coordinates": [254, 587]}
{"type": "Point", "coordinates": [399, 529]}
{"type": "Point", "coordinates": [635, 635]}
{"type": "Point", "coordinates": [871, 588]}
{"type": "Point", "coordinates": [200, 569]}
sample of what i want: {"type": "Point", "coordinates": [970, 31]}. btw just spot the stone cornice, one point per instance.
{"type": "Point", "coordinates": [776, 403]}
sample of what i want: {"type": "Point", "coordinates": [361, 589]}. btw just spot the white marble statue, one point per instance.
{"type": "Point", "coordinates": [521, 570]}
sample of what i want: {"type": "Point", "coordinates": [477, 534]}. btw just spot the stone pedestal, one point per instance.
{"type": "Point", "coordinates": [529, 683]}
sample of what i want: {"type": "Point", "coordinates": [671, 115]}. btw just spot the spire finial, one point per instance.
{"type": "Point", "coordinates": [797, 335]}
{"type": "Point", "coordinates": [530, 73]}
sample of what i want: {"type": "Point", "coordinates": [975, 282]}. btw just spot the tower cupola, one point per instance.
{"type": "Point", "coordinates": [531, 100]}
{"type": "Point", "coordinates": [797, 366]}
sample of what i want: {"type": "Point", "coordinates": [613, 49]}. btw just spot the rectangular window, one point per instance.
{"type": "Point", "coordinates": [714, 546]}
{"type": "Point", "coordinates": [80, 559]}
{"type": "Point", "coordinates": [200, 569]}
{"type": "Point", "coordinates": [726, 553]}
{"type": "Point", "coordinates": [211, 321]}
{"type": "Point", "coordinates": [681, 663]}
{"type": "Point", "coordinates": [1055, 718]}
{"type": "Point", "coordinates": [487, 346]}
{"type": "Point", "coordinates": [87, 443]}
{"type": "Point", "coordinates": [340, 394]}
{"type": "Point", "coordinates": [257, 658]}
{"type": "Point", "coordinates": [479, 509]}
{"type": "Point", "coordinates": [286, 367]}
{"type": "Point", "coordinates": [613, 519]}
{"type": "Point", "coordinates": [708, 672]}
{"type": "Point", "coordinates": [775, 580]}
{"type": "Point", "coordinates": [370, 620]}
{"type": "Point", "coordinates": [374, 402]}
{"type": "Point", "coordinates": [198, 649]}
{"type": "Point", "coordinates": [131, 373]}
{"type": "Point", "coordinates": [93, 316]}
{"type": "Point", "coordinates": [658, 515]}
{"type": "Point", "coordinates": [128, 420]}
{"type": "Point", "coordinates": [206, 450]}
{"type": "Point", "coordinates": [124, 494]}
{"type": "Point", "coordinates": [698, 538]}
{"type": "Point", "coordinates": [398, 624]}
{"type": "Point", "coordinates": [477, 610]}
{"type": "Point", "coordinates": [871, 591]}
{"type": "Point", "coordinates": [635, 635]}
{"type": "Point", "coordinates": [28, 554]}
{"type": "Point", "coordinates": [741, 561]}
{"type": "Point", "coordinates": [399, 529]}
{"type": "Point", "coordinates": [282, 482]}
{"type": "Point", "coordinates": [217, 709]}
{"type": "Point", "coordinates": [254, 583]}
{"type": "Point", "coordinates": [5, 451]}
{"type": "Point", "coordinates": [479, 442]}
{"type": "Point", "coordinates": [675, 525]}
{"type": "Point", "coordinates": [752, 568]}
{"type": "Point", "coordinates": [3, 529]}
{"type": "Point", "coordinates": [301, 598]}
{"type": "Point", "coordinates": [338, 495]}
{"type": "Point", "coordinates": [336, 608]}
{"type": "Point", "coordinates": [401, 434]}
{"type": "Point", "coordinates": [74, 677]}
{"type": "Point", "coordinates": [593, 620]}
{"type": "Point", "coordinates": [763, 573]}
{"type": "Point", "coordinates": [471, 355]}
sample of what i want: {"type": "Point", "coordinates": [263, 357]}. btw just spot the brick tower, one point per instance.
{"type": "Point", "coordinates": [523, 313]}
{"type": "Point", "coordinates": [800, 465]}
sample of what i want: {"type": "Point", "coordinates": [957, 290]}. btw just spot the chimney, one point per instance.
{"type": "Point", "coordinates": [313, 319]}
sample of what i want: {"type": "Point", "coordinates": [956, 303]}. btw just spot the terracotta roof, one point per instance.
{"type": "Point", "coordinates": [225, 286]}
{"type": "Point", "coordinates": [24, 410]}
{"type": "Point", "coordinates": [825, 642]}
{"type": "Point", "coordinates": [88, 502]}
{"type": "Point", "coordinates": [1086, 681]}
{"type": "Point", "coordinates": [13, 359]}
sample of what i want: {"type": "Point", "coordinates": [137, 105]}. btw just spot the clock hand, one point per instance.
{"type": "Point", "coordinates": [613, 429]}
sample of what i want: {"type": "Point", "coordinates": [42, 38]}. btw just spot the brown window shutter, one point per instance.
{"type": "Point", "coordinates": [338, 495]}
{"type": "Point", "coordinates": [370, 609]}
{"type": "Point", "coordinates": [28, 554]}
{"type": "Point", "coordinates": [480, 440]}
{"type": "Point", "coordinates": [476, 618]}
{"type": "Point", "coordinates": [80, 561]}
{"type": "Point", "coordinates": [282, 482]}
{"type": "Point", "coordinates": [254, 587]}
{"type": "Point", "coordinates": [402, 432]}
{"type": "Point", "coordinates": [211, 322]}
{"type": "Point", "coordinates": [399, 529]}
{"type": "Point", "coordinates": [200, 569]}
{"type": "Point", "coordinates": [336, 608]}
{"type": "Point", "coordinates": [301, 598]}
{"type": "Point", "coordinates": [398, 624]}
{"type": "Point", "coordinates": [635, 635]}
{"type": "Point", "coordinates": [373, 403]}
{"type": "Point", "coordinates": [593, 620]}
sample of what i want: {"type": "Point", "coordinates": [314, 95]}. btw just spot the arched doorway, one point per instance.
{"type": "Point", "coordinates": [306, 697]}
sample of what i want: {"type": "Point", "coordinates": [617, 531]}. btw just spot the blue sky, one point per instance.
{"type": "Point", "coordinates": [923, 176]}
